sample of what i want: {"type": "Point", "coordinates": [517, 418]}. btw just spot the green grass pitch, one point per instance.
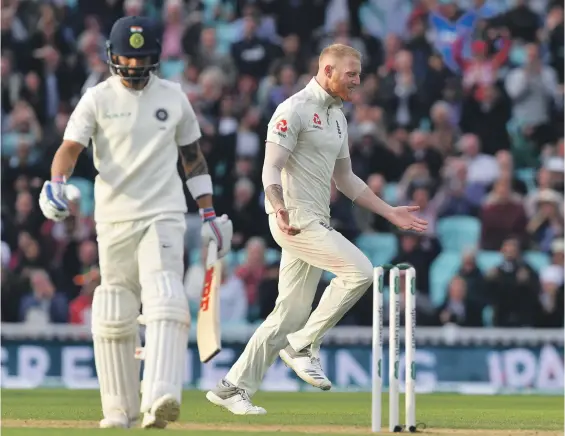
{"type": "Point", "coordinates": [50, 412]}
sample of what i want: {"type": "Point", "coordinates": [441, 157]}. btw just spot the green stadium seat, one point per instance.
{"type": "Point", "coordinates": [537, 260]}
{"type": "Point", "coordinates": [457, 233]}
{"type": "Point", "coordinates": [380, 248]}
{"type": "Point", "coordinates": [442, 270]}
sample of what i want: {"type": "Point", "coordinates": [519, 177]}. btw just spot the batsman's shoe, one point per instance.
{"type": "Point", "coordinates": [117, 420]}
{"type": "Point", "coordinates": [306, 366]}
{"type": "Point", "coordinates": [166, 409]}
{"type": "Point", "coordinates": [234, 399]}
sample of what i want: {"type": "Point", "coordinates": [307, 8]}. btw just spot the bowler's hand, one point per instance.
{"type": "Point", "coordinates": [403, 217]}
{"type": "Point", "coordinates": [283, 221]}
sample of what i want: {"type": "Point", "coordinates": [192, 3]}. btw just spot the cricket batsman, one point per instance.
{"type": "Point", "coordinates": [138, 123]}
{"type": "Point", "coordinates": [306, 148]}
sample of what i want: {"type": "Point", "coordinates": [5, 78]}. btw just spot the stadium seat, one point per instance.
{"type": "Point", "coordinates": [86, 188]}
{"type": "Point", "coordinates": [442, 270]}
{"type": "Point", "coordinates": [537, 260]}
{"type": "Point", "coordinates": [487, 260]}
{"type": "Point", "coordinates": [171, 68]}
{"type": "Point", "coordinates": [390, 194]}
{"type": "Point", "coordinates": [378, 247]}
{"type": "Point", "coordinates": [457, 233]}
{"type": "Point", "coordinates": [528, 176]}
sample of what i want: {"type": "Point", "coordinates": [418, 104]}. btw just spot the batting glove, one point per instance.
{"type": "Point", "coordinates": [52, 200]}
{"type": "Point", "coordinates": [216, 229]}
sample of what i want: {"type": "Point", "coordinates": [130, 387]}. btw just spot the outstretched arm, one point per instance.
{"type": "Point", "coordinates": [354, 188]}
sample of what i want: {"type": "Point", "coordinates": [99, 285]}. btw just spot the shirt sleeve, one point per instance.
{"type": "Point", "coordinates": [188, 129]}
{"type": "Point", "coordinates": [284, 127]}
{"type": "Point", "coordinates": [82, 123]}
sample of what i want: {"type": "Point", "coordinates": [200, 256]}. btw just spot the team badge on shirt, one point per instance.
{"type": "Point", "coordinates": [280, 128]}
{"type": "Point", "coordinates": [317, 122]}
{"type": "Point", "coordinates": [161, 114]}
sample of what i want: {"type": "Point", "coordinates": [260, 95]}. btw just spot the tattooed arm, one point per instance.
{"type": "Point", "coordinates": [65, 159]}
{"type": "Point", "coordinates": [195, 166]}
{"type": "Point", "coordinates": [275, 160]}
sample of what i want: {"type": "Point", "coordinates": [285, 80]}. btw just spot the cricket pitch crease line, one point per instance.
{"type": "Point", "coordinates": [305, 429]}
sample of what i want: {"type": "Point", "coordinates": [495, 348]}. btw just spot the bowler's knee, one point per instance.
{"type": "Point", "coordinates": [289, 317]}
{"type": "Point", "coordinates": [363, 277]}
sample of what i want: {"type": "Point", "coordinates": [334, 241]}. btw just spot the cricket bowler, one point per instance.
{"type": "Point", "coordinates": [138, 122]}
{"type": "Point", "coordinates": [307, 147]}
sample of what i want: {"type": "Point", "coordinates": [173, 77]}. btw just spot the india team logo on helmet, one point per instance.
{"type": "Point", "coordinates": [136, 40]}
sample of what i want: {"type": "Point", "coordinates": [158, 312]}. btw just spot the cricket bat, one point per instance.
{"type": "Point", "coordinates": [208, 330]}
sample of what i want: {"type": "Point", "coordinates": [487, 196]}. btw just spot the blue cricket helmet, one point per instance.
{"type": "Point", "coordinates": [133, 37]}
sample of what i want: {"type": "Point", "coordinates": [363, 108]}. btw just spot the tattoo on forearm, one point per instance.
{"type": "Point", "coordinates": [194, 161]}
{"type": "Point", "coordinates": [274, 194]}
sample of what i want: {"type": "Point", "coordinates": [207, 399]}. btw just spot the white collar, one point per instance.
{"type": "Point", "coordinates": [322, 96]}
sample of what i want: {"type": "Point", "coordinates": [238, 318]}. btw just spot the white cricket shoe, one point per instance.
{"type": "Point", "coordinates": [117, 420]}
{"type": "Point", "coordinates": [166, 409]}
{"type": "Point", "coordinates": [306, 366]}
{"type": "Point", "coordinates": [234, 399]}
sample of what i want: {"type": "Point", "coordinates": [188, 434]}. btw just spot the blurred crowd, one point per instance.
{"type": "Point", "coordinates": [460, 112]}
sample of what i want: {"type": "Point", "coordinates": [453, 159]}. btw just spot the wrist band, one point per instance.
{"type": "Point", "coordinates": [207, 214]}
{"type": "Point", "coordinates": [58, 179]}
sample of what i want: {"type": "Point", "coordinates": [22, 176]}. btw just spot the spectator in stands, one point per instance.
{"type": "Point", "coordinates": [550, 298]}
{"type": "Point", "coordinates": [28, 255]}
{"type": "Point", "coordinates": [174, 27]}
{"type": "Point", "coordinates": [268, 290]}
{"type": "Point", "coordinates": [207, 55]}
{"type": "Point", "coordinates": [480, 71]}
{"type": "Point", "coordinates": [80, 308]}
{"type": "Point", "coordinates": [513, 288]}
{"type": "Point", "coordinates": [342, 215]}
{"type": "Point", "coordinates": [26, 217]}
{"type": "Point", "coordinates": [79, 258]}
{"type": "Point", "coordinates": [533, 90]}
{"type": "Point", "coordinates": [547, 223]}
{"type": "Point", "coordinates": [45, 304]}
{"type": "Point", "coordinates": [253, 54]}
{"type": "Point", "coordinates": [233, 298]}
{"type": "Point", "coordinates": [474, 279]}
{"type": "Point", "coordinates": [458, 308]}
{"type": "Point", "coordinates": [418, 251]}
{"type": "Point", "coordinates": [459, 197]}
{"type": "Point", "coordinates": [522, 22]}
{"type": "Point", "coordinates": [505, 162]}
{"type": "Point", "coordinates": [13, 288]}
{"type": "Point", "coordinates": [487, 119]}
{"type": "Point", "coordinates": [366, 221]}
{"type": "Point", "coordinates": [481, 168]}
{"type": "Point", "coordinates": [245, 213]}
{"type": "Point", "coordinates": [502, 216]}
{"type": "Point", "coordinates": [554, 36]}
{"type": "Point", "coordinates": [251, 272]}
{"type": "Point", "coordinates": [445, 131]}
{"type": "Point", "coordinates": [402, 94]}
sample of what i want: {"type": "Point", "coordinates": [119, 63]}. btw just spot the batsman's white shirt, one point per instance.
{"type": "Point", "coordinates": [135, 134]}
{"type": "Point", "coordinates": [312, 126]}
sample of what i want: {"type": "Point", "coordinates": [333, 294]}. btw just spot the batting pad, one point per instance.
{"type": "Point", "coordinates": [167, 324]}
{"type": "Point", "coordinates": [115, 334]}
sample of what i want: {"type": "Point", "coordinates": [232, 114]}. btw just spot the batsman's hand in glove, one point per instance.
{"type": "Point", "coordinates": [53, 201]}
{"type": "Point", "coordinates": [218, 229]}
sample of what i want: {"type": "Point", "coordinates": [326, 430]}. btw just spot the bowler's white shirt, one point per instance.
{"type": "Point", "coordinates": [311, 125]}
{"type": "Point", "coordinates": [135, 135]}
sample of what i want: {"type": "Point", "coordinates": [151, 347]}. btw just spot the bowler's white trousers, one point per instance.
{"type": "Point", "coordinates": [304, 257]}
{"type": "Point", "coordinates": [141, 262]}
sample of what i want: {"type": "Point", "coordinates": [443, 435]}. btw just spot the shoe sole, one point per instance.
{"type": "Point", "coordinates": [287, 360]}
{"type": "Point", "coordinates": [165, 410]}
{"type": "Point", "coordinates": [217, 401]}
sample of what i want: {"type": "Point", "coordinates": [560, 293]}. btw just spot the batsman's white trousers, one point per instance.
{"type": "Point", "coordinates": [304, 257]}
{"type": "Point", "coordinates": [141, 262]}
